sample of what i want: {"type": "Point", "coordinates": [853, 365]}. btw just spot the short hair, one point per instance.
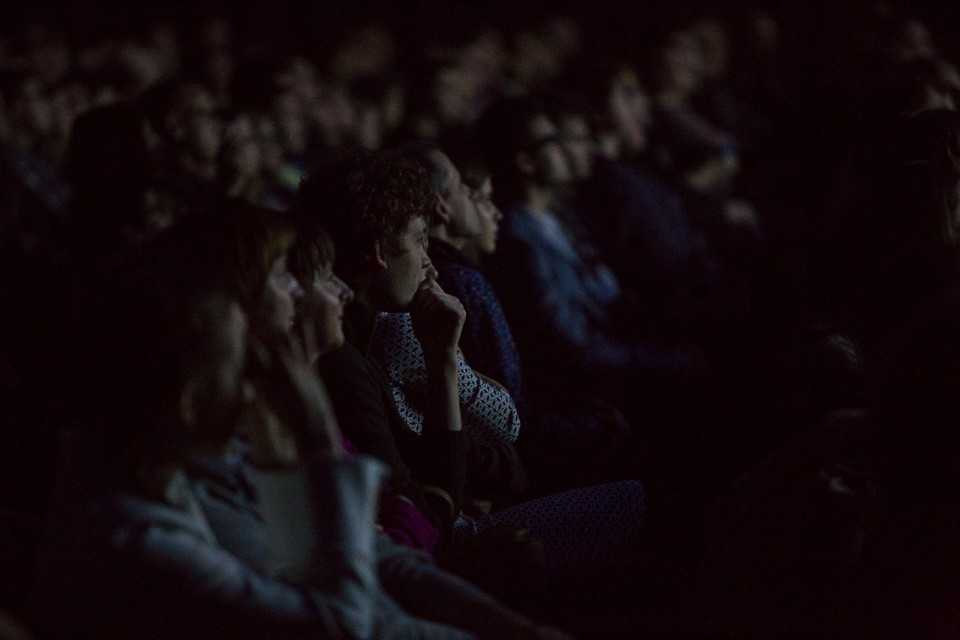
{"type": "Point", "coordinates": [502, 130]}
{"type": "Point", "coordinates": [426, 154]}
{"type": "Point", "coordinates": [362, 198]}
{"type": "Point", "coordinates": [312, 252]}
{"type": "Point", "coordinates": [474, 173]}
{"type": "Point", "coordinates": [908, 173]}
{"type": "Point", "coordinates": [158, 101]}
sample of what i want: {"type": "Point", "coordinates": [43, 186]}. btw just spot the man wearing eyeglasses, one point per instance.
{"type": "Point", "coordinates": [562, 309]}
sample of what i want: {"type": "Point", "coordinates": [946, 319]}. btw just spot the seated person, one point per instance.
{"type": "Point", "coordinates": [565, 311]}
{"type": "Point", "coordinates": [129, 550]}
{"type": "Point", "coordinates": [403, 516]}
{"type": "Point", "coordinates": [374, 207]}
{"type": "Point", "coordinates": [559, 445]}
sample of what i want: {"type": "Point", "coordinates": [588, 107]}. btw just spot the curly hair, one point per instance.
{"type": "Point", "coordinates": [364, 198]}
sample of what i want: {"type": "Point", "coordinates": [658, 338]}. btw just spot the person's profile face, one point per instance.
{"type": "Point", "coordinates": [629, 109]}
{"type": "Point", "coordinates": [406, 266]}
{"type": "Point", "coordinates": [276, 312]}
{"type": "Point", "coordinates": [550, 162]}
{"type": "Point", "coordinates": [464, 218]}
{"type": "Point", "coordinates": [490, 217]}
{"type": "Point", "coordinates": [578, 145]}
{"type": "Point", "coordinates": [324, 301]}
{"type": "Point", "coordinates": [203, 127]}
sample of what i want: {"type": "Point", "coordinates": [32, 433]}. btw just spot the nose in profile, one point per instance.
{"type": "Point", "coordinates": [430, 270]}
{"type": "Point", "coordinates": [296, 291]}
{"type": "Point", "coordinates": [346, 293]}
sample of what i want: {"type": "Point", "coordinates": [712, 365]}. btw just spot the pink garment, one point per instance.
{"type": "Point", "coordinates": [401, 519]}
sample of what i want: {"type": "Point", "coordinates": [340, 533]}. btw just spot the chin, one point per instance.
{"type": "Point", "coordinates": [391, 303]}
{"type": "Point", "coordinates": [400, 305]}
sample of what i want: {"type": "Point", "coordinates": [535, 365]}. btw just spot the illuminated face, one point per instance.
{"type": "Point", "coordinates": [464, 220]}
{"type": "Point", "coordinates": [490, 217]}
{"type": "Point", "coordinates": [276, 313]}
{"type": "Point", "coordinates": [242, 148]}
{"type": "Point", "coordinates": [575, 137]}
{"type": "Point", "coordinates": [550, 163]}
{"type": "Point", "coordinates": [203, 130]}
{"type": "Point", "coordinates": [406, 266]}
{"type": "Point", "coordinates": [324, 302]}
{"type": "Point", "coordinates": [629, 110]}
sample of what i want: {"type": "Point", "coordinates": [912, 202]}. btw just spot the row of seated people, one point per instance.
{"type": "Point", "coordinates": [206, 488]}
{"type": "Point", "coordinates": [178, 479]}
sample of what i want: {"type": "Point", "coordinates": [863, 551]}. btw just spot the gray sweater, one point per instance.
{"type": "Point", "coordinates": [127, 564]}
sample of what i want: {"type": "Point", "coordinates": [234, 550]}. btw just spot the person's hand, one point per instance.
{"type": "Point", "coordinates": [295, 396]}
{"type": "Point", "coordinates": [437, 319]}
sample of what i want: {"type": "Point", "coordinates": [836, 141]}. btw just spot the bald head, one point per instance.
{"type": "Point", "coordinates": [455, 216]}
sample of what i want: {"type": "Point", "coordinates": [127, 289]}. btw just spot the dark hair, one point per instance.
{"type": "Point", "coordinates": [474, 173]}
{"type": "Point", "coordinates": [908, 179]}
{"type": "Point", "coordinates": [253, 238]}
{"type": "Point", "coordinates": [362, 198]}
{"type": "Point", "coordinates": [158, 101]}
{"type": "Point", "coordinates": [561, 105]}
{"type": "Point", "coordinates": [234, 244]}
{"type": "Point", "coordinates": [587, 86]}
{"type": "Point", "coordinates": [502, 130]}
{"type": "Point", "coordinates": [902, 89]}
{"type": "Point", "coordinates": [312, 252]}
{"type": "Point", "coordinates": [160, 328]}
{"type": "Point", "coordinates": [895, 240]}
{"type": "Point", "coordinates": [109, 169]}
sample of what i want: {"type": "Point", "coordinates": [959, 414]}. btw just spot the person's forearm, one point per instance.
{"type": "Point", "coordinates": [488, 412]}
{"type": "Point", "coordinates": [442, 431]}
{"type": "Point", "coordinates": [442, 412]}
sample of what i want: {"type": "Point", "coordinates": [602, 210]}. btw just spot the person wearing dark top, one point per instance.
{"type": "Point", "coordinates": [381, 254]}
{"type": "Point", "coordinates": [555, 446]}
{"type": "Point", "coordinates": [564, 309]}
{"type": "Point", "coordinates": [391, 273]}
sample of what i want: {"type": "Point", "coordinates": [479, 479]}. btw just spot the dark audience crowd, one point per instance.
{"type": "Point", "coordinates": [480, 320]}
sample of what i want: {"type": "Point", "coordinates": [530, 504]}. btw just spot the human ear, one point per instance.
{"type": "Point", "coordinates": [441, 209]}
{"type": "Point", "coordinates": [379, 254]}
